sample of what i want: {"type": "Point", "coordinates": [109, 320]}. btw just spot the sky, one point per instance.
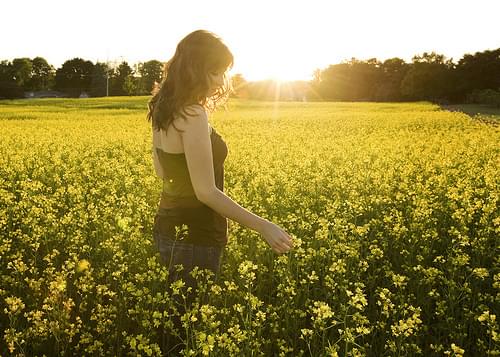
{"type": "Point", "coordinates": [280, 39]}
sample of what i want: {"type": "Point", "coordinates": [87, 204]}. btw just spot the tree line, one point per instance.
{"type": "Point", "coordinates": [430, 76]}
{"type": "Point", "coordinates": [77, 76]}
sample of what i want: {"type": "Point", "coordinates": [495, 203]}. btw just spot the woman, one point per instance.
{"type": "Point", "coordinates": [190, 226]}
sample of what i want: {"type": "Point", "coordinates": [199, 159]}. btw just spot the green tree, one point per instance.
{"type": "Point", "coordinates": [393, 70]}
{"type": "Point", "coordinates": [8, 86]}
{"type": "Point", "coordinates": [42, 75]}
{"type": "Point", "coordinates": [350, 80]}
{"type": "Point", "coordinates": [122, 80]}
{"type": "Point", "coordinates": [430, 77]}
{"type": "Point", "coordinates": [364, 79]}
{"type": "Point", "coordinates": [74, 77]}
{"type": "Point", "coordinates": [150, 73]}
{"type": "Point", "coordinates": [99, 80]}
{"type": "Point", "coordinates": [332, 83]}
{"type": "Point", "coordinates": [478, 71]}
{"type": "Point", "coordinates": [129, 86]}
{"type": "Point", "coordinates": [22, 69]}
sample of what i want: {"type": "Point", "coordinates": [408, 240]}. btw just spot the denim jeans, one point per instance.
{"type": "Point", "coordinates": [174, 250]}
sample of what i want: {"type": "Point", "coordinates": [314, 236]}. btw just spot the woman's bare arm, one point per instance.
{"type": "Point", "coordinates": [156, 163]}
{"type": "Point", "coordinates": [198, 151]}
{"type": "Point", "coordinates": [156, 160]}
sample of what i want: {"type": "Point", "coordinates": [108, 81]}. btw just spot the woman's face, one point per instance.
{"type": "Point", "coordinates": [216, 80]}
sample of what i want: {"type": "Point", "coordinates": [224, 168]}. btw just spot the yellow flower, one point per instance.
{"type": "Point", "coordinates": [82, 265]}
{"type": "Point", "coordinates": [14, 305]}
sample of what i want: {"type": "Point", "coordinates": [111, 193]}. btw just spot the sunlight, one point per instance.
{"type": "Point", "coordinates": [279, 72]}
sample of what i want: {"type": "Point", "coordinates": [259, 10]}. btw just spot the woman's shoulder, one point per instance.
{"type": "Point", "coordinates": [190, 110]}
{"type": "Point", "coordinates": [190, 113]}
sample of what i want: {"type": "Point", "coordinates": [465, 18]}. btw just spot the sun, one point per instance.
{"type": "Point", "coordinates": [276, 69]}
{"type": "Point", "coordinates": [282, 75]}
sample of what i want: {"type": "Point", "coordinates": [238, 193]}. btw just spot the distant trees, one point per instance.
{"type": "Point", "coordinates": [150, 73]}
{"type": "Point", "coordinates": [22, 71]}
{"type": "Point", "coordinates": [99, 80]}
{"type": "Point", "coordinates": [9, 88]}
{"type": "Point", "coordinates": [480, 71]}
{"type": "Point", "coordinates": [430, 76]}
{"type": "Point", "coordinates": [77, 76]}
{"type": "Point", "coordinates": [123, 83]}
{"type": "Point", "coordinates": [42, 74]}
{"type": "Point", "coordinates": [24, 74]}
{"type": "Point", "coordinates": [356, 80]}
{"type": "Point", "coordinates": [351, 80]}
{"type": "Point", "coordinates": [393, 70]}
{"type": "Point", "coordinates": [74, 77]}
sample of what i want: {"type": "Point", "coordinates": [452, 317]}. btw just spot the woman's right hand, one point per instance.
{"type": "Point", "coordinates": [276, 237]}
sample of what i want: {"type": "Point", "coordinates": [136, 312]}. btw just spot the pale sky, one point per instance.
{"type": "Point", "coordinates": [285, 39]}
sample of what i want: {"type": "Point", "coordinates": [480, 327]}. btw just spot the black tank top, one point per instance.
{"type": "Point", "coordinates": [180, 214]}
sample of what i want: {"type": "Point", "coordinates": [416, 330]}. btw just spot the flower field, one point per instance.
{"type": "Point", "coordinates": [393, 207]}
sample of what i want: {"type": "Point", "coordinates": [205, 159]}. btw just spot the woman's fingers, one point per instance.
{"type": "Point", "coordinates": [278, 248]}
{"type": "Point", "coordinates": [284, 245]}
{"type": "Point", "coordinates": [281, 242]}
{"type": "Point", "coordinates": [287, 240]}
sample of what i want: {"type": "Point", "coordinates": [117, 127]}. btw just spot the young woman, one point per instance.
{"type": "Point", "coordinates": [190, 226]}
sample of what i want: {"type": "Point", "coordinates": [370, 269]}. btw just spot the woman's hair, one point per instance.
{"type": "Point", "coordinates": [186, 81]}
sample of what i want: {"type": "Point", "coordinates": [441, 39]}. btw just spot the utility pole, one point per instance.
{"type": "Point", "coordinates": [114, 62]}
{"type": "Point", "coordinates": [107, 81]}
{"type": "Point", "coordinates": [107, 72]}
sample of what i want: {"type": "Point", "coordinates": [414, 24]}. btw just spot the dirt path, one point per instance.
{"type": "Point", "coordinates": [483, 113]}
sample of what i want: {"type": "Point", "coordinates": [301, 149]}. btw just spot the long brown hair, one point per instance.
{"type": "Point", "coordinates": [186, 80]}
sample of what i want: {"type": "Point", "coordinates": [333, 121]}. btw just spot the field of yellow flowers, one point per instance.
{"type": "Point", "coordinates": [394, 211]}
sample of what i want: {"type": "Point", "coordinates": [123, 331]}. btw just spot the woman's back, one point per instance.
{"type": "Point", "coordinates": [170, 140]}
{"type": "Point", "coordinates": [179, 204]}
